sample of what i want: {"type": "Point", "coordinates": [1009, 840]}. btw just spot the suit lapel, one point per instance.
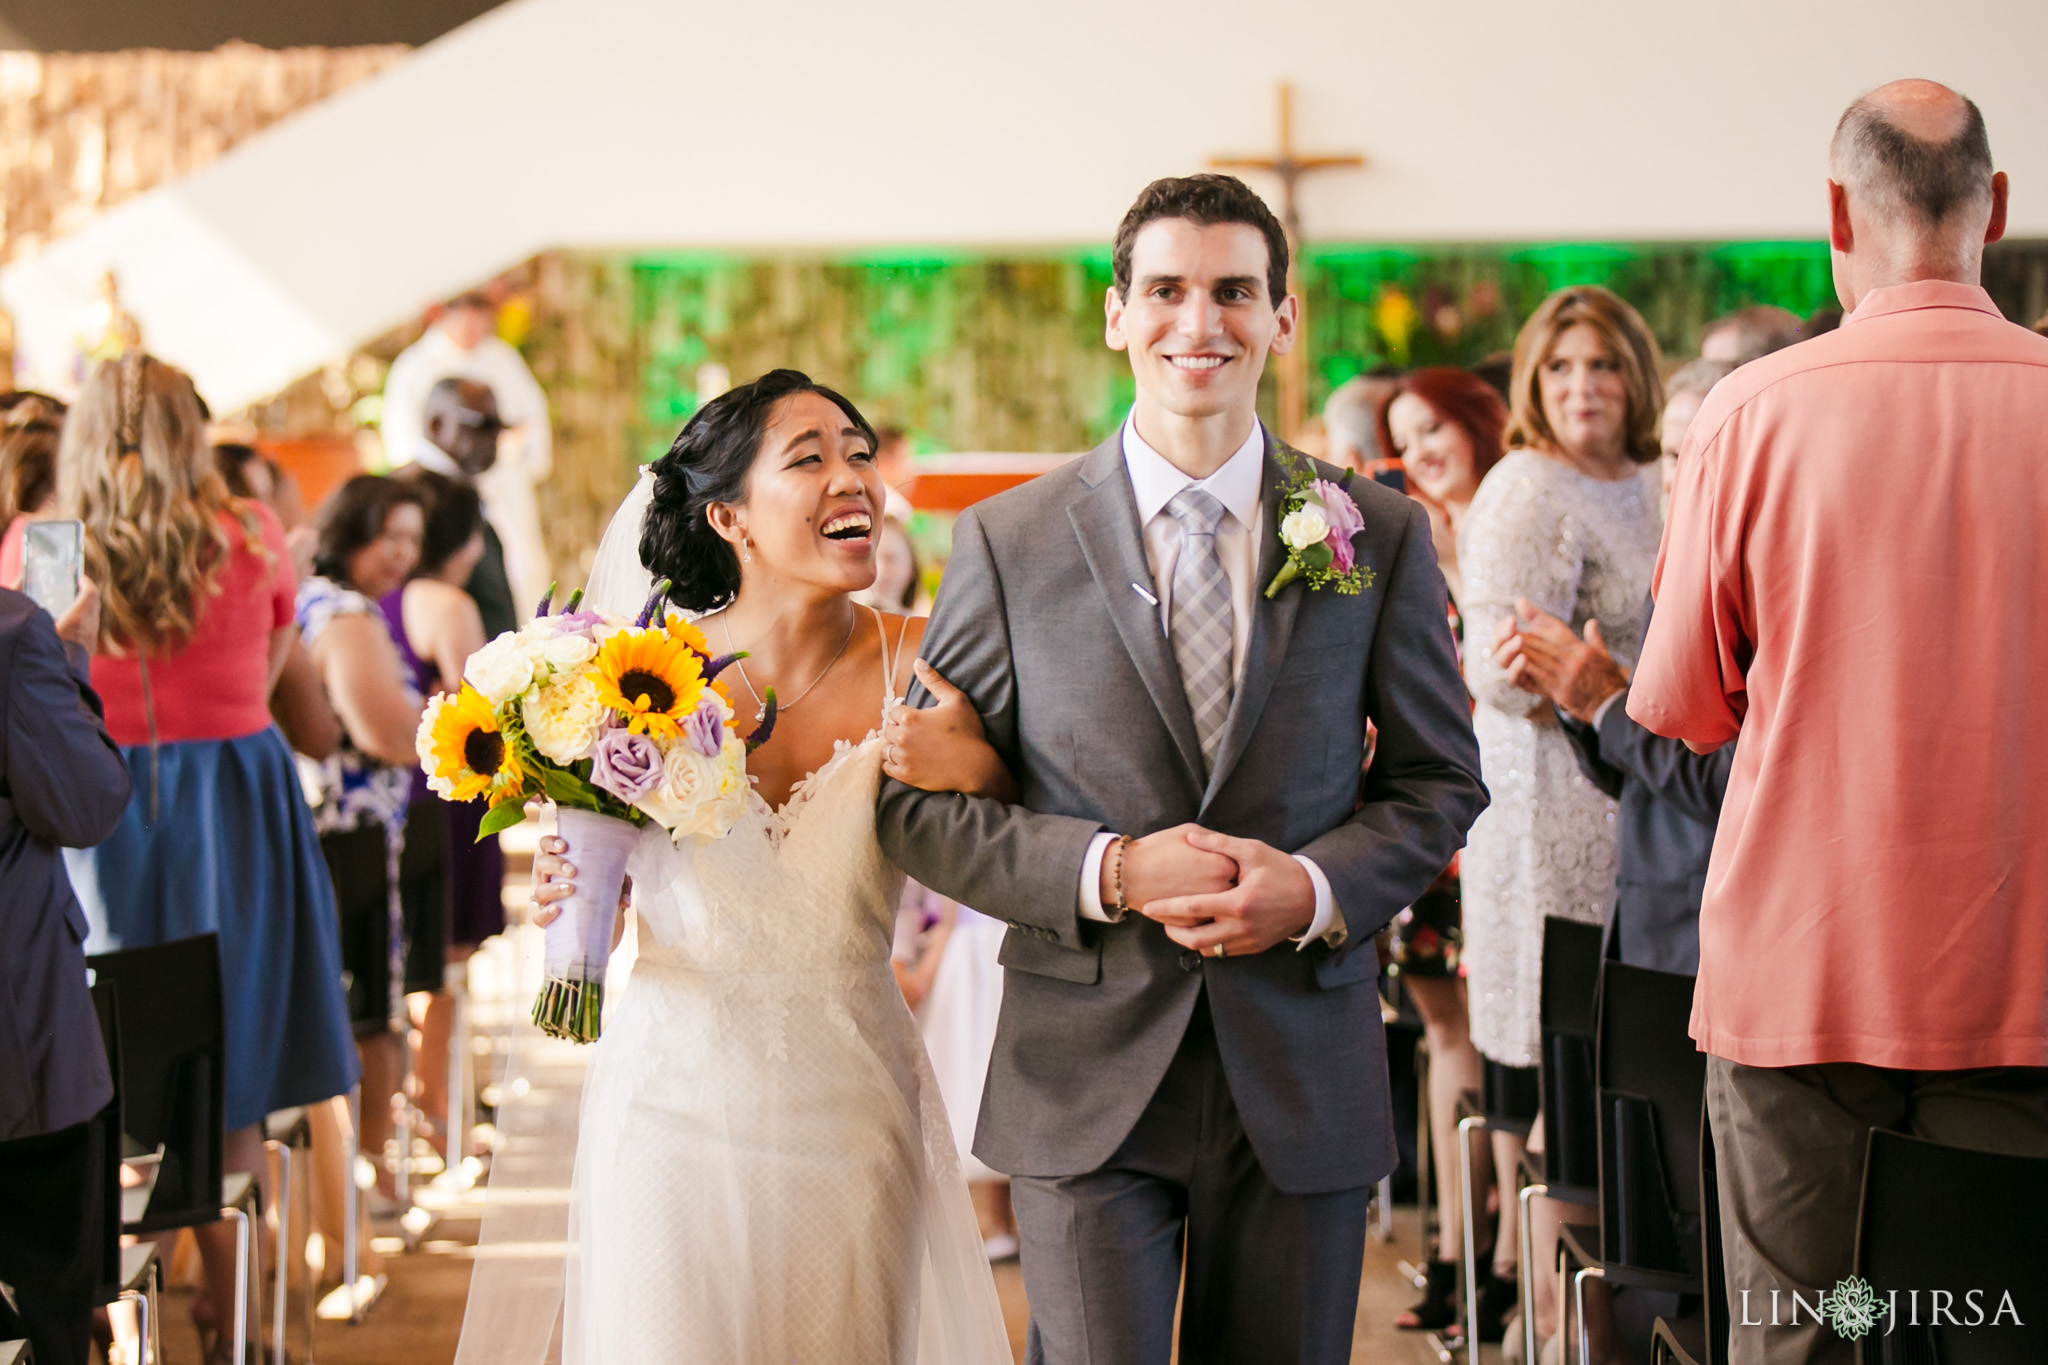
{"type": "Point", "coordinates": [1272, 626]}
{"type": "Point", "coordinates": [1105, 520]}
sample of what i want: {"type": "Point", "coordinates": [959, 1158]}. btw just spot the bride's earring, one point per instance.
{"type": "Point", "coordinates": [747, 550]}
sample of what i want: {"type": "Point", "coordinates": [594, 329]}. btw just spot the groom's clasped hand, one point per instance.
{"type": "Point", "coordinates": [1206, 889]}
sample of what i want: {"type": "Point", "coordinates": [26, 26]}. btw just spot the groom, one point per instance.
{"type": "Point", "coordinates": [1190, 1057]}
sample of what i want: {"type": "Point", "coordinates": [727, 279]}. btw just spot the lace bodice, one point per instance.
{"type": "Point", "coordinates": [796, 889]}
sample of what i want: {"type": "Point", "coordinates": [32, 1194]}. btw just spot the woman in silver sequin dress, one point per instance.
{"type": "Point", "coordinates": [1567, 521]}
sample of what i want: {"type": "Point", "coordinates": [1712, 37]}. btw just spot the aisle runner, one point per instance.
{"type": "Point", "coordinates": [515, 1294]}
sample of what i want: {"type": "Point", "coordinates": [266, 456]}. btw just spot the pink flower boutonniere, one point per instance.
{"type": "Point", "coordinates": [1317, 521]}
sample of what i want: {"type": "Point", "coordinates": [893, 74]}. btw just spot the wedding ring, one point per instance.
{"type": "Point", "coordinates": [1222, 951]}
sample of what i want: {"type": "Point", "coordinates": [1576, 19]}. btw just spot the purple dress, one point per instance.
{"type": "Point", "coordinates": [476, 871]}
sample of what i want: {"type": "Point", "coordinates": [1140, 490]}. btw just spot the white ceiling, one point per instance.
{"type": "Point", "coordinates": [821, 125]}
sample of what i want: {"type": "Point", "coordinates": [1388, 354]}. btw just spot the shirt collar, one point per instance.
{"type": "Point", "coordinates": [1903, 298]}
{"type": "Point", "coordinates": [1155, 480]}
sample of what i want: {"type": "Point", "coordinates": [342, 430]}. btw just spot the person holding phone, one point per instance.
{"type": "Point", "coordinates": [62, 783]}
{"type": "Point", "coordinates": [196, 611]}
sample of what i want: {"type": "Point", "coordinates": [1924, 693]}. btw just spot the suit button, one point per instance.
{"type": "Point", "coordinates": [1190, 960]}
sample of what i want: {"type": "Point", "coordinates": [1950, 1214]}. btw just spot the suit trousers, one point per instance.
{"type": "Point", "coordinates": [52, 1210]}
{"type": "Point", "coordinates": [1270, 1276]}
{"type": "Point", "coordinates": [1789, 1143]}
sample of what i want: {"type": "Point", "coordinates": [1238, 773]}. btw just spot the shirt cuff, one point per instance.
{"type": "Point", "coordinates": [1328, 924]}
{"type": "Point", "coordinates": [1600, 711]}
{"type": "Point", "coordinates": [1091, 880]}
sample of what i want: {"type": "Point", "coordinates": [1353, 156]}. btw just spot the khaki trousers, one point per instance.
{"type": "Point", "coordinates": [1789, 1143]}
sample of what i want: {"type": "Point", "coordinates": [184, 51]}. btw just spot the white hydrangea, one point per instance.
{"type": "Point", "coordinates": [563, 717]}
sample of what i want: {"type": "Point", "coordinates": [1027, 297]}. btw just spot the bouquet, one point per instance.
{"type": "Point", "coordinates": [620, 724]}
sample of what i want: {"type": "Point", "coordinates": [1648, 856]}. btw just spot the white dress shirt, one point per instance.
{"type": "Point", "coordinates": [1155, 482]}
{"type": "Point", "coordinates": [524, 458]}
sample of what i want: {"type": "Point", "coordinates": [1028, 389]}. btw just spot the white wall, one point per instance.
{"type": "Point", "coordinates": [819, 124]}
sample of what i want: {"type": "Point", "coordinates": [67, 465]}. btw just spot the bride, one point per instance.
{"type": "Point", "coordinates": [765, 1169]}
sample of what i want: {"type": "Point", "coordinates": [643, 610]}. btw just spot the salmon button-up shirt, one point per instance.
{"type": "Point", "coordinates": [1855, 578]}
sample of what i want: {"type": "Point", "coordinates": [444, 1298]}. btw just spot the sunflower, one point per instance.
{"type": "Point", "coordinates": [653, 679]}
{"type": "Point", "coordinates": [466, 751]}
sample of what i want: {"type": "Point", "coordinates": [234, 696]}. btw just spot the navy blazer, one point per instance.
{"type": "Point", "coordinates": [1670, 804]}
{"type": "Point", "coordinates": [63, 784]}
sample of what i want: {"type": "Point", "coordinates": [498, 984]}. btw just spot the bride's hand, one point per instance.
{"type": "Point", "coordinates": [941, 748]}
{"type": "Point", "coordinates": [554, 880]}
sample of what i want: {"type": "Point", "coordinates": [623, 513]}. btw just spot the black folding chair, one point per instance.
{"type": "Point", "coordinates": [1965, 1226]}
{"type": "Point", "coordinates": [1652, 1087]}
{"type": "Point", "coordinates": [1701, 1338]}
{"type": "Point", "coordinates": [127, 1274]}
{"type": "Point", "coordinates": [1568, 1167]}
{"type": "Point", "coordinates": [172, 1064]}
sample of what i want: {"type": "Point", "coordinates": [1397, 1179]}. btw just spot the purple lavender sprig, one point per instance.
{"type": "Point", "coordinates": [765, 731]}
{"type": "Point", "coordinates": [655, 600]}
{"type": "Point", "coordinates": [575, 601]}
{"type": "Point", "coordinates": [547, 603]}
{"type": "Point", "coordinates": [714, 667]}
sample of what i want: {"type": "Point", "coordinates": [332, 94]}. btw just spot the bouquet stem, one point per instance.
{"type": "Point", "coordinates": [579, 942]}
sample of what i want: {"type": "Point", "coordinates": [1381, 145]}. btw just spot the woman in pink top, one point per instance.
{"type": "Point", "coordinates": [196, 612]}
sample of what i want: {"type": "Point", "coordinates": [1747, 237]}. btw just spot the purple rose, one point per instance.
{"type": "Point", "coordinates": [626, 765]}
{"type": "Point", "coordinates": [1345, 522]}
{"type": "Point", "coordinates": [705, 728]}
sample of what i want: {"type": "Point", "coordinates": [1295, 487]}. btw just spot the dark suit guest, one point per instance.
{"type": "Point", "coordinates": [62, 784]}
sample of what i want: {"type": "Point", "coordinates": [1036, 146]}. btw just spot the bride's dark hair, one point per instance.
{"type": "Point", "coordinates": [708, 463]}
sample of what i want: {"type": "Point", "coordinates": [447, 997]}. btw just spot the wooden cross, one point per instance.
{"type": "Point", "coordinates": [1290, 166]}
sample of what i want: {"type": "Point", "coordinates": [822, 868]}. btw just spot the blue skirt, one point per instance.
{"type": "Point", "coordinates": [232, 851]}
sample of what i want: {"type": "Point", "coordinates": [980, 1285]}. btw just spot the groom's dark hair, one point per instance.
{"type": "Point", "coordinates": [1203, 200]}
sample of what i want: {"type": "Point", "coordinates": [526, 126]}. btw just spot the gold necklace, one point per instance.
{"type": "Point", "coordinates": [790, 705]}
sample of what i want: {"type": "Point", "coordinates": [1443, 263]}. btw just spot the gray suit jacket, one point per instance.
{"type": "Point", "coordinates": [62, 784]}
{"type": "Point", "coordinates": [1038, 624]}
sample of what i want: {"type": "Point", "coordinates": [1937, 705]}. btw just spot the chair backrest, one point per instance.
{"type": "Point", "coordinates": [1569, 1025]}
{"type": "Point", "coordinates": [172, 1065]}
{"type": "Point", "coordinates": [1653, 1082]}
{"type": "Point", "coordinates": [1712, 1259]}
{"type": "Point", "coordinates": [1962, 1225]}
{"type": "Point", "coordinates": [108, 1121]}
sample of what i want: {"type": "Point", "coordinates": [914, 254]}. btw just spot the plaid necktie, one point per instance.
{"type": "Point", "coordinates": [1200, 620]}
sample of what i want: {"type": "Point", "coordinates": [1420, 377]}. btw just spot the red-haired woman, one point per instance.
{"type": "Point", "coordinates": [1445, 426]}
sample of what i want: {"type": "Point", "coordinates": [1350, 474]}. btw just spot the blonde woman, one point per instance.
{"type": "Point", "coordinates": [196, 615]}
{"type": "Point", "coordinates": [1567, 521]}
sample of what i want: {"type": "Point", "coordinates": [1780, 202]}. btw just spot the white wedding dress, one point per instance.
{"type": "Point", "coordinates": [765, 1170]}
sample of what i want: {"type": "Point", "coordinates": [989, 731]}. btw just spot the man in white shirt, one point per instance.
{"type": "Point", "coordinates": [1189, 1085]}
{"type": "Point", "coordinates": [463, 344]}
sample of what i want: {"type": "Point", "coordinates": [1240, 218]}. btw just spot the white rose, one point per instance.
{"type": "Point", "coordinates": [501, 670]}
{"type": "Point", "coordinates": [688, 782]}
{"type": "Point", "coordinates": [563, 717]}
{"type": "Point", "coordinates": [423, 745]}
{"type": "Point", "coordinates": [1304, 527]}
{"type": "Point", "coordinates": [568, 651]}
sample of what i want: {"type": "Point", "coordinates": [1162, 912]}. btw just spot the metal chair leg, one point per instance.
{"type": "Point", "coordinates": [1526, 1288]}
{"type": "Point", "coordinates": [1591, 1272]}
{"type": "Point", "coordinates": [351, 1253]}
{"type": "Point", "coordinates": [1465, 1209]}
{"type": "Point", "coordinates": [281, 1299]}
{"type": "Point", "coordinates": [245, 1245]}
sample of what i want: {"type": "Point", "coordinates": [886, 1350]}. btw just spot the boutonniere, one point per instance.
{"type": "Point", "coordinates": [1317, 521]}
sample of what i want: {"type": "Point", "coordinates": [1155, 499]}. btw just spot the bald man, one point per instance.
{"type": "Point", "coordinates": [462, 428]}
{"type": "Point", "coordinates": [1850, 582]}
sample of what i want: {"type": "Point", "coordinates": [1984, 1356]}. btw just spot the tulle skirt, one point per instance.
{"type": "Point", "coordinates": [231, 851]}
{"type": "Point", "coordinates": [766, 1173]}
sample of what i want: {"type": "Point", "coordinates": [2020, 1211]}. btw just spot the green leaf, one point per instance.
{"type": "Point", "coordinates": [500, 818]}
{"type": "Point", "coordinates": [1317, 557]}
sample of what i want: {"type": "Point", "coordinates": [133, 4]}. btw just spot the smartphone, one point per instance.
{"type": "Point", "coordinates": [52, 556]}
